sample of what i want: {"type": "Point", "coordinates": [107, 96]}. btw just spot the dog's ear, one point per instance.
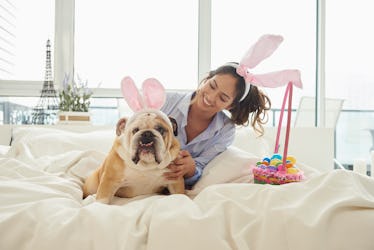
{"type": "Point", "coordinates": [175, 125]}
{"type": "Point", "coordinates": [120, 126]}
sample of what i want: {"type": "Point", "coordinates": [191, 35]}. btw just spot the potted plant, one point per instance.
{"type": "Point", "coordinates": [74, 101]}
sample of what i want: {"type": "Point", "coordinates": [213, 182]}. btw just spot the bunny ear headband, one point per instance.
{"type": "Point", "coordinates": [153, 94]}
{"type": "Point", "coordinates": [151, 98]}
{"type": "Point", "coordinates": [262, 49]}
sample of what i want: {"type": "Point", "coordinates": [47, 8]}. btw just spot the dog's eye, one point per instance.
{"type": "Point", "coordinates": [160, 129]}
{"type": "Point", "coordinates": [135, 130]}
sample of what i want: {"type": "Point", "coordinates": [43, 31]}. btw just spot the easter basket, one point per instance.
{"type": "Point", "coordinates": [279, 169]}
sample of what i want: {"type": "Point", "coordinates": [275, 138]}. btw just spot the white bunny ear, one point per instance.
{"type": "Point", "coordinates": [153, 93]}
{"type": "Point", "coordinates": [131, 94]}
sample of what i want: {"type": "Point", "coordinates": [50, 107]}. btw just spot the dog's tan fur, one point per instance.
{"type": "Point", "coordinates": [123, 176]}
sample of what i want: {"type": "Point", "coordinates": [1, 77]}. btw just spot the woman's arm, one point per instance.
{"type": "Point", "coordinates": [190, 167]}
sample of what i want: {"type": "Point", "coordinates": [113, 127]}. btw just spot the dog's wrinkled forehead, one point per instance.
{"type": "Point", "coordinates": [150, 114]}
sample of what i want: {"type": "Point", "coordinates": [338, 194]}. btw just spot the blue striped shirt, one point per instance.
{"type": "Point", "coordinates": [208, 144]}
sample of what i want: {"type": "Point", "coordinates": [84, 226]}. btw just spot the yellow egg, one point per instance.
{"type": "Point", "coordinates": [292, 170]}
{"type": "Point", "coordinates": [291, 159]}
{"type": "Point", "coordinates": [274, 162]}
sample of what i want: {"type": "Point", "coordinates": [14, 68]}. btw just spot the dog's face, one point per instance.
{"type": "Point", "coordinates": [148, 140]}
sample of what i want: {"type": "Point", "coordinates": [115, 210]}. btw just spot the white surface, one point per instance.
{"type": "Point", "coordinates": [372, 163]}
{"type": "Point", "coordinates": [359, 166]}
{"type": "Point", "coordinates": [4, 149]}
{"type": "Point", "coordinates": [311, 146]}
{"type": "Point", "coordinates": [41, 204]}
{"type": "Point", "coordinates": [6, 130]}
{"type": "Point", "coordinates": [5, 134]}
{"type": "Point", "coordinates": [305, 113]}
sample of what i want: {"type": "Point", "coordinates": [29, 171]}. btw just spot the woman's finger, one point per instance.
{"type": "Point", "coordinates": [173, 174]}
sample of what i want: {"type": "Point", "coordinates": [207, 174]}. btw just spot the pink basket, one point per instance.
{"type": "Point", "coordinates": [279, 169]}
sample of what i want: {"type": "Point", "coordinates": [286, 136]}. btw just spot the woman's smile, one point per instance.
{"type": "Point", "coordinates": [206, 101]}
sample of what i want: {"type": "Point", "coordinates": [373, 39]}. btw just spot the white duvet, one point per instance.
{"type": "Point", "coordinates": [41, 207]}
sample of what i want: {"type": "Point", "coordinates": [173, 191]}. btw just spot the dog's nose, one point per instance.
{"type": "Point", "coordinates": [147, 137]}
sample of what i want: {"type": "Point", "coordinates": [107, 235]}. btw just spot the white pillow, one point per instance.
{"type": "Point", "coordinates": [48, 141]}
{"type": "Point", "coordinates": [235, 166]}
{"type": "Point", "coordinates": [231, 166]}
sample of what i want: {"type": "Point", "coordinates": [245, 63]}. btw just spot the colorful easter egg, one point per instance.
{"type": "Point", "coordinates": [291, 158]}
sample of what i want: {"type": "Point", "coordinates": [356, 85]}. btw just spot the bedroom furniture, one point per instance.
{"type": "Point", "coordinates": [311, 146]}
{"type": "Point", "coordinates": [372, 137]}
{"type": "Point", "coordinates": [41, 205]}
{"type": "Point", "coordinates": [305, 116]}
{"type": "Point", "coordinates": [305, 113]}
{"type": "Point", "coordinates": [6, 129]}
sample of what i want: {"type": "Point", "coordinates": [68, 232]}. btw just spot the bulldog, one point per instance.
{"type": "Point", "coordinates": [145, 145]}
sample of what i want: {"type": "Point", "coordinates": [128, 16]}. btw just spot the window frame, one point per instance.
{"type": "Point", "coordinates": [64, 53]}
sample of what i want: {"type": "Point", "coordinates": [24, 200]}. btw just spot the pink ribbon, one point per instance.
{"type": "Point", "coordinates": [242, 71]}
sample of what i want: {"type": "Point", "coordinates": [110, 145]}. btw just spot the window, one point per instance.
{"type": "Point", "coordinates": [146, 38]}
{"type": "Point", "coordinates": [350, 75]}
{"type": "Point", "coordinates": [350, 52]}
{"type": "Point", "coordinates": [138, 38]}
{"type": "Point", "coordinates": [237, 24]}
{"type": "Point", "coordinates": [25, 28]}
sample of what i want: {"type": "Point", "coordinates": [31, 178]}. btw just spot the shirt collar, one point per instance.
{"type": "Point", "coordinates": [183, 107]}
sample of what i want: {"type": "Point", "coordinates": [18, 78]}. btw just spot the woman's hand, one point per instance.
{"type": "Point", "coordinates": [183, 166]}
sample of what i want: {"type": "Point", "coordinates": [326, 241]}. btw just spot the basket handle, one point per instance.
{"type": "Point", "coordinates": [277, 145]}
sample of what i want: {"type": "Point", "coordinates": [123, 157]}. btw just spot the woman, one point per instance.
{"type": "Point", "coordinates": [204, 129]}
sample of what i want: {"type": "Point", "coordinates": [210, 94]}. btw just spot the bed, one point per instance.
{"type": "Point", "coordinates": [41, 205]}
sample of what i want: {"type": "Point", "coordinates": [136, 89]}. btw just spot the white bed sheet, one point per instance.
{"type": "Point", "coordinates": [41, 208]}
{"type": "Point", "coordinates": [4, 150]}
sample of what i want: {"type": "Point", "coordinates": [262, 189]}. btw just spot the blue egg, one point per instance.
{"type": "Point", "coordinates": [266, 159]}
{"type": "Point", "coordinates": [276, 156]}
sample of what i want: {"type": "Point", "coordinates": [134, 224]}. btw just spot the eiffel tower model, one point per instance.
{"type": "Point", "coordinates": [45, 112]}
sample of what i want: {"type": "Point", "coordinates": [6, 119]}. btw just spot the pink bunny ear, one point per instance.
{"type": "Point", "coordinates": [153, 93]}
{"type": "Point", "coordinates": [278, 78]}
{"type": "Point", "coordinates": [131, 94]}
{"type": "Point", "coordinates": [262, 49]}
